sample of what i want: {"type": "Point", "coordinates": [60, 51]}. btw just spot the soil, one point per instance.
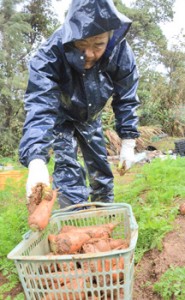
{"type": "Point", "coordinates": [155, 263]}
{"type": "Point", "coordinates": [39, 192]}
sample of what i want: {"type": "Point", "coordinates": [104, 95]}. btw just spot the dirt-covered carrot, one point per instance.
{"type": "Point", "coordinates": [67, 243]}
{"type": "Point", "coordinates": [96, 245]}
{"type": "Point", "coordinates": [71, 238]}
{"type": "Point", "coordinates": [39, 219]}
{"type": "Point", "coordinates": [94, 231]}
{"type": "Point", "coordinates": [104, 244]}
{"type": "Point", "coordinates": [72, 293]}
{"type": "Point", "coordinates": [63, 278]}
{"type": "Point", "coordinates": [48, 267]}
{"type": "Point", "coordinates": [118, 244]}
{"type": "Point", "coordinates": [65, 267]}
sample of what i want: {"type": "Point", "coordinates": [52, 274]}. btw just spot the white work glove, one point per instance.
{"type": "Point", "coordinates": [127, 154]}
{"type": "Point", "coordinates": [38, 173]}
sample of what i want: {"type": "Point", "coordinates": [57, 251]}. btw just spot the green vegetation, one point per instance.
{"type": "Point", "coordinates": [13, 225]}
{"type": "Point", "coordinates": [152, 195]}
{"type": "Point", "coordinates": [171, 284]}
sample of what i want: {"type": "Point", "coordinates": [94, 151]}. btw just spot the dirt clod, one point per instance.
{"type": "Point", "coordinates": [182, 209]}
{"type": "Point", "coordinates": [39, 192]}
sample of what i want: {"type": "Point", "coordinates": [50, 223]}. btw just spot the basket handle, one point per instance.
{"type": "Point", "coordinates": [26, 235]}
{"type": "Point", "coordinates": [81, 205]}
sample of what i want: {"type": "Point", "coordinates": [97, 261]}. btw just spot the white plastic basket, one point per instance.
{"type": "Point", "coordinates": [39, 273]}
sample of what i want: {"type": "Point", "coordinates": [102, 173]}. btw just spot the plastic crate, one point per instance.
{"type": "Point", "coordinates": [39, 273]}
{"type": "Point", "coordinates": [180, 147]}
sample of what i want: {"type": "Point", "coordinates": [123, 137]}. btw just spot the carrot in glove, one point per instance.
{"type": "Point", "coordinates": [39, 218]}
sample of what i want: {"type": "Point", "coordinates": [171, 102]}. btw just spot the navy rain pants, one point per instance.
{"type": "Point", "coordinates": [70, 176]}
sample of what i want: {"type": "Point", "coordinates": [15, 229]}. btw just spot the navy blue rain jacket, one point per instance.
{"type": "Point", "coordinates": [60, 90]}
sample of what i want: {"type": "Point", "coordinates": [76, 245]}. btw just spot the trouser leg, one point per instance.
{"type": "Point", "coordinates": [93, 147]}
{"type": "Point", "coordinates": [69, 176]}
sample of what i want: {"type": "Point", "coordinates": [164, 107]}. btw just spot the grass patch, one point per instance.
{"type": "Point", "coordinates": [171, 284]}
{"type": "Point", "coordinates": [13, 224]}
{"type": "Point", "coordinates": [152, 195]}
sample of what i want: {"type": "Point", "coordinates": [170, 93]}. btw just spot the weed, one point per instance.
{"type": "Point", "coordinates": [6, 287]}
{"type": "Point", "coordinates": [171, 284]}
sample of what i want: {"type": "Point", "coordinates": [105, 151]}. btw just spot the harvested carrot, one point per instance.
{"type": "Point", "coordinates": [94, 231]}
{"type": "Point", "coordinates": [65, 267]}
{"type": "Point", "coordinates": [71, 279]}
{"type": "Point", "coordinates": [106, 265]}
{"type": "Point", "coordinates": [118, 266]}
{"type": "Point", "coordinates": [73, 285]}
{"type": "Point", "coordinates": [103, 245]}
{"type": "Point", "coordinates": [116, 243]}
{"type": "Point", "coordinates": [117, 295]}
{"type": "Point", "coordinates": [53, 296]}
{"type": "Point", "coordinates": [71, 238]}
{"type": "Point", "coordinates": [39, 219]}
{"type": "Point", "coordinates": [62, 278]}
{"type": "Point", "coordinates": [49, 267]}
{"type": "Point", "coordinates": [96, 245]}
{"type": "Point", "coordinates": [67, 243]}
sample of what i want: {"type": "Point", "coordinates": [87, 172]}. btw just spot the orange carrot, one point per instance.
{"type": "Point", "coordinates": [73, 285]}
{"type": "Point", "coordinates": [65, 267]}
{"type": "Point", "coordinates": [62, 278]}
{"type": "Point", "coordinates": [67, 243]}
{"type": "Point", "coordinates": [118, 244]}
{"type": "Point", "coordinates": [96, 245]}
{"type": "Point", "coordinates": [52, 296]}
{"type": "Point", "coordinates": [39, 219]}
{"type": "Point", "coordinates": [103, 245]}
{"type": "Point", "coordinates": [77, 238]}
{"type": "Point", "coordinates": [117, 294]}
{"type": "Point", "coordinates": [49, 267]}
{"type": "Point", "coordinates": [94, 231]}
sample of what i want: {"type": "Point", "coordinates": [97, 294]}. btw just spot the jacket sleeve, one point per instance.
{"type": "Point", "coordinates": [125, 99]}
{"type": "Point", "coordinates": [42, 102]}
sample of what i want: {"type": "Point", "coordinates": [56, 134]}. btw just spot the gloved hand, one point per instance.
{"type": "Point", "coordinates": [38, 173]}
{"type": "Point", "coordinates": [127, 154]}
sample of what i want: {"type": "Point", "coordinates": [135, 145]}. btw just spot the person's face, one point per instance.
{"type": "Point", "coordinates": [93, 48]}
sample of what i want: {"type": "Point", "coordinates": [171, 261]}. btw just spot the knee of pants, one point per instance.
{"type": "Point", "coordinates": [103, 197]}
{"type": "Point", "coordinates": [72, 196]}
{"type": "Point", "coordinates": [65, 202]}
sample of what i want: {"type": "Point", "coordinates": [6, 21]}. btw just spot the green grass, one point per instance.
{"type": "Point", "coordinates": [13, 224]}
{"type": "Point", "coordinates": [171, 284]}
{"type": "Point", "coordinates": [152, 194]}
{"type": "Point", "coordinates": [7, 161]}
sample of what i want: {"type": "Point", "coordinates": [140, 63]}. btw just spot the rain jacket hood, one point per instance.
{"type": "Point", "coordinates": [87, 18]}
